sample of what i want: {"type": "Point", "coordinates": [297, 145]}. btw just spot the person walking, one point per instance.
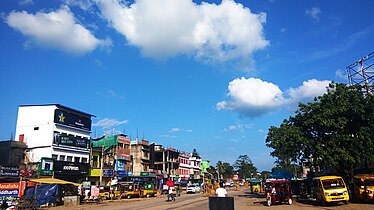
{"type": "Point", "coordinates": [221, 192]}
{"type": "Point", "coordinates": [170, 194]}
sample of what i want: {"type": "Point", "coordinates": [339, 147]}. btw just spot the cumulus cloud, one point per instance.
{"type": "Point", "coordinates": [212, 33]}
{"type": "Point", "coordinates": [57, 29]}
{"type": "Point", "coordinates": [309, 89]}
{"type": "Point", "coordinates": [314, 13]}
{"type": "Point", "coordinates": [109, 123]}
{"type": "Point", "coordinates": [253, 97]}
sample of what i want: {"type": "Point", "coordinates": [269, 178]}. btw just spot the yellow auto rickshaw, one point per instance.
{"type": "Point", "coordinates": [255, 186]}
{"type": "Point", "coordinates": [363, 187]}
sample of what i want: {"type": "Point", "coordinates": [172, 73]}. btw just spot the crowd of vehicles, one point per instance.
{"type": "Point", "coordinates": [324, 189]}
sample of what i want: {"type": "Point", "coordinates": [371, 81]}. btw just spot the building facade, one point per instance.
{"type": "Point", "coordinates": [57, 132]}
{"type": "Point", "coordinates": [140, 152]}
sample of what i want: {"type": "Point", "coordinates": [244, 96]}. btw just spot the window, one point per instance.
{"type": "Point", "coordinates": [84, 160]}
{"type": "Point", "coordinates": [54, 157]}
{"type": "Point", "coordinates": [62, 157]}
{"type": "Point", "coordinates": [70, 158]}
{"type": "Point", "coordinates": [76, 159]}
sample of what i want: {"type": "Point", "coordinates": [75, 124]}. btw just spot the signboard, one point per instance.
{"type": "Point", "coordinates": [108, 173]}
{"type": "Point", "coordinates": [9, 171]}
{"type": "Point", "coordinates": [46, 167]}
{"type": "Point", "coordinates": [68, 168]}
{"type": "Point", "coordinates": [122, 173]}
{"type": "Point", "coordinates": [68, 140]}
{"type": "Point", "coordinates": [9, 192]}
{"type": "Point", "coordinates": [144, 173]}
{"type": "Point", "coordinates": [66, 118]}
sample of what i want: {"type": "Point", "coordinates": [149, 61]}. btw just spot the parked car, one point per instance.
{"type": "Point", "coordinates": [193, 188]}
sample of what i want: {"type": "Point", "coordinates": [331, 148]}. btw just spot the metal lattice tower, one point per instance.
{"type": "Point", "coordinates": [361, 72]}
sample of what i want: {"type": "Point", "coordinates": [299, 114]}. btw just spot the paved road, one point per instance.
{"type": "Point", "coordinates": [243, 201]}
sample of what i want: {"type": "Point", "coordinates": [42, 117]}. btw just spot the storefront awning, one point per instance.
{"type": "Point", "coordinates": [53, 181]}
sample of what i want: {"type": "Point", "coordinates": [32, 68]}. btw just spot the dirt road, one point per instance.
{"type": "Point", "coordinates": [242, 200]}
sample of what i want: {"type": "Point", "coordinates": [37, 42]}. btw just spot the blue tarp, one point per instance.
{"type": "Point", "coordinates": [280, 174]}
{"type": "Point", "coordinates": [45, 193]}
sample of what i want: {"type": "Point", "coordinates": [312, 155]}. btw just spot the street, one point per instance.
{"type": "Point", "coordinates": [243, 200]}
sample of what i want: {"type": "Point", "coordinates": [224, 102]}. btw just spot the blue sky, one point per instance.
{"type": "Point", "coordinates": [186, 74]}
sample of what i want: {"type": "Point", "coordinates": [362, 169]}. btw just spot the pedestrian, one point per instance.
{"type": "Point", "coordinates": [171, 195]}
{"type": "Point", "coordinates": [4, 205]}
{"type": "Point", "coordinates": [221, 192]}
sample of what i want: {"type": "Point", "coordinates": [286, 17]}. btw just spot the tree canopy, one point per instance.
{"type": "Point", "coordinates": [244, 166]}
{"type": "Point", "coordinates": [336, 129]}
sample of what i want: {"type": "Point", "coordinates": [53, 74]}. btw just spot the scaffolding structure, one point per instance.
{"type": "Point", "coordinates": [361, 73]}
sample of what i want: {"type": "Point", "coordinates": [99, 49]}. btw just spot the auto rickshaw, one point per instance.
{"type": "Point", "coordinates": [105, 192]}
{"type": "Point", "coordinates": [255, 186]}
{"type": "Point", "coordinates": [278, 191]}
{"type": "Point", "coordinates": [133, 191]}
{"type": "Point", "coordinates": [363, 187]}
{"type": "Point", "coordinates": [148, 190]}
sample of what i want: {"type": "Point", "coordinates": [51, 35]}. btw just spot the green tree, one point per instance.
{"type": "Point", "coordinates": [225, 170]}
{"type": "Point", "coordinates": [336, 129]}
{"type": "Point", "coordinates": [245, 167]}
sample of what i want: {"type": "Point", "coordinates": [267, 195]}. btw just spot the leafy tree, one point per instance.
{"type": "Point", "coordinates": [225, 170]}
{"type": "Point", "coordinates": [337, 130]}
{"type": "Point", "coordinates": [245, 166]}
{"type": "Point", "coordinates": [213, 172]}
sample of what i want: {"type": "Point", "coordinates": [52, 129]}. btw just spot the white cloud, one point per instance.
{"type": "Point", "coordinates": [26, 2]}
{"type": "Point", "coordinates": [109, 123]}
{"type": "Point", "coordinates": [238, 127]}
{"type": "Point", "coordinates": [212, 33]}
{"type": "Point", "coordinates": [314, 13]}
{"type": "Point", "coordinates": [175, 130]}
{"type": "Point", "coordinates": [253, 97]}
{"type": "Point", "coordinates": [57, 29]}
{"type": "Point", "coordinates": [309, 89]}
{"type": "Point", "coordinates": [172, 130]}
{"type": "Point", "coordinates": [339, 74]}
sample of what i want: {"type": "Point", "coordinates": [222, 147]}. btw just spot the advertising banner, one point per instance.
{"type": "Point", "coordinates": [9, 171]}
{"type": "Point", "coordinates": [69, 168]}
{"type": "Point", "coordinates": [108, 173]}
{"type": "Point", "coordinates": [73, 120]}
{"type": "Point", "coordinates": [68, 140]}
{"type": "Point", "coordinates": [9, 192]}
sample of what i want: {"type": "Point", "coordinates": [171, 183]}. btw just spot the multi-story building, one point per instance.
{"type": "Point", "coordinates": [57, 138]}
{"type": "Point", "coordinates": [184, 166]}
{"type": "Point", "coordinates": [110, 159]}
{"type": "Point", "coordinates": [164, 160]}
{"type": "Point", "coordinates": [195, 170]}
{"type": "Point", "coordinates": [140, 152]}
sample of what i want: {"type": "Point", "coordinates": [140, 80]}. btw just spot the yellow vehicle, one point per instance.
{"type": "Point", "coordinates": [328, 189]}
{"type": "Point", "coordinates": [255, 186]}
{"type": "Point", "coordinates": [149, 190]}
{"type": "Point", "coordinates": [105, 192]}
{"type": "Point", "coordinates": [363, 187]}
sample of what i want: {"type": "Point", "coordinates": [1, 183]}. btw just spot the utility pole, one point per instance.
{"type": "Point", "coordinates": [102, 162]}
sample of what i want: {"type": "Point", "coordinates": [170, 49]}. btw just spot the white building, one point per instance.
{"type": "Point", "coordinates": [54, 131]}
{"type": "Point", "coordinates": [195, 170]}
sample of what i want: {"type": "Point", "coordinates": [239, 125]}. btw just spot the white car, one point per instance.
{"type": "Point", "coordinates": [193, 188]}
